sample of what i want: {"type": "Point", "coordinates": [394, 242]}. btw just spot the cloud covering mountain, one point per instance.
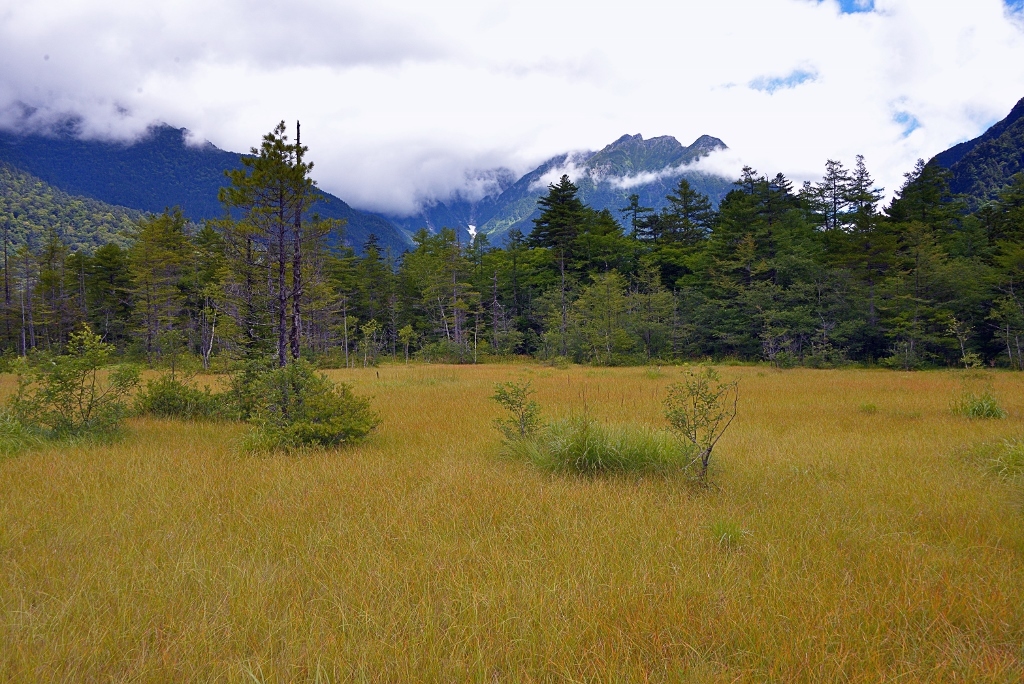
{"type": "Point", "coordinates": [406, 103]}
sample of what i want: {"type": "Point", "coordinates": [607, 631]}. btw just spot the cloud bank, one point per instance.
{"type": "Point", "coordinates": [407, 102]}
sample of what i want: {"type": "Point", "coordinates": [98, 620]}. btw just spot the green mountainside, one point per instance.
{"type": "Point", "coordinates": [32, 208]}
{"type": "Point", "coordinates": [980, 168]}
{"type": "Point", "coordinates": [162, 170]}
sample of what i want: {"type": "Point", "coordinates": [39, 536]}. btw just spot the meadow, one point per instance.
{"type": "Point", "coordinates": [852, 533]}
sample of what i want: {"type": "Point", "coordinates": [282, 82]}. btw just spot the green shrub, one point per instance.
{"type": "Point", "coordinates": [75, 393]}
{"type": "Point", "coordinates": [868, 408]}
{"type": "Point", "coordinates": [14, 436]}
{"type": "Point", "coordinates": [581, 445]}
{"type": "Point", "coordinates": [245, 388]}
{"type": "Point", "coordinates": [982, 405]}
{"type": "Point", "coordinates": [169, 397]}
{"type": "Point", "coordinates": [298, 407]}
{"type": "Point", "coordinates": [515, 398]}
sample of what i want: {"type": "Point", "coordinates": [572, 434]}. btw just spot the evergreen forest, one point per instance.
{"type": "Point", "coordinates": [818, 275]}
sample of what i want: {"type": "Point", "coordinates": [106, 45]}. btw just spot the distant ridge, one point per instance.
{"type": "Point", "coordinates": [158, 171]}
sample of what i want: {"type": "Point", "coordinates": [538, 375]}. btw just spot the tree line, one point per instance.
{"type": "Point", "coordinates": [818, 275]}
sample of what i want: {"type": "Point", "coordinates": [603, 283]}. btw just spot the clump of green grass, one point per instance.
{"type": "Point", "coordinates": [1008, 461]}
{"type": "Point", "coordinates": [983, 405]}
{"type": "Point", "coordinates": [868, 408]}
{"type": "Point", "coordinates": [582, 445]}
{"type": "Point", "coordinates": [727, 533]}
{"type": "Point", "coordinates": [15, 436]}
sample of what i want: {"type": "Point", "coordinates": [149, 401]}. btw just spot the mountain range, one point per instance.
{"type": "Point", "coordinates": [90, 190]}
{"type": "Point", "coordinates": [649, 168]}
{"type": "Point", "coordinates": [162, 169]}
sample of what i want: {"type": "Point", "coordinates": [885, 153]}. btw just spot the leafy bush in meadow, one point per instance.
{"type": "Point", "coordinates": [75, 393]}
{"type": "Point", "coordinates": [298, 407]}
{"type": "Point", "coordinates": [171, 397]}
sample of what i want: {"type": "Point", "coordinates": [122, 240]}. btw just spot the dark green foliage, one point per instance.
{"type": "Point", "coordinates": [75, 393]}
{"type": "Point", "coordinates": [298, 407]}
{"type": "Point", "coordinates": [170, 397]}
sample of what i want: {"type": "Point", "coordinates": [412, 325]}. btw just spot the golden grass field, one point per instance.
{"type": "Point", "coordinates": [873, 547]}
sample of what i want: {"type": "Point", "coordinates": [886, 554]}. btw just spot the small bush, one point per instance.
{"type": "Point", "coordinates": [581, 445]}
{"type": "Point", "coordinates": [515, 398]}
{"type": "Point", "coordinates": [299, 407]}
{"type": "Point", "coordinates": [169, 397]}
{"type": "Point", "coordinates": [699, 411]}
{"type": "Point", "coordinates": [75, 393]}
{"type": "Point", "coordinates": [984, 405]}
{"type": "Point", "coordinates": [16, 437]}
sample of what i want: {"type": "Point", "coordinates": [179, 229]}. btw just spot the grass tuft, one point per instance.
{"type": "Point", "coordinates": [582, 445]}
{"type": "Point", "coordinates": [16, 437]}
{"type": "Point", "coordinates": [727, 533]}
{"type": "Point", "coordinates": [984, 405]}
{"type": "Point", "coordinates": [1008, 461]}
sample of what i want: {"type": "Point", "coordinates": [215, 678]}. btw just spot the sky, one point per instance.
{"type": "Point", "coordinates": [405, 102]}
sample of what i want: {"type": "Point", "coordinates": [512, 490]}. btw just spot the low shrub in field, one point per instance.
{"type": "Point", "coordinates": [75, 393]}
{"type": "Point", "coordinates": [982, 405]}
{"type": "Point", "coordinates": [514, 397]}
{"type": "Point", "coordinates": [298, 407]}
{"type": "Point", "coordinates": [14, 436]}
{"type": "Point", "coordinates": [581, 445]}
{"type": "Point", "coordinates": [170, 397]}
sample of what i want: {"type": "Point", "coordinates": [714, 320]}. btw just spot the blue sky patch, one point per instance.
{"type": "Point", "coordinates": [854, 6]}
{"type": "Point", "coordinates": [1014, 5]}
{"type": "Point", "coordinates": [908, 121]}
{"type": "Point", "coordinates": [769, 84]}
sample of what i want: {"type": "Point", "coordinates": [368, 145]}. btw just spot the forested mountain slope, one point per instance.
{"type": "Point", "coordinates": [981, 167]}
{"type": "Point", "coordinates": [159, 171]}
{"type": "Point", "coordinates": [31, 208]}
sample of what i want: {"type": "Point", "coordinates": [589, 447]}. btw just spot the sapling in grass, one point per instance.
{"type": "Point", "coordinates": [700, 409]}
{"type": "Point", "coordinates": [514, 397]}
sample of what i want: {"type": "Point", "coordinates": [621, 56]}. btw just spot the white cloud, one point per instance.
{"type": "Point", "coordinates": [403, 101]}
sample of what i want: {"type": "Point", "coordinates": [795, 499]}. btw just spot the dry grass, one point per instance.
{"type": "Point", "coordinates": [839, 545]}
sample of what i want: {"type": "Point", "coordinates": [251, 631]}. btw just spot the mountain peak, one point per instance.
{"type": "Point", "coordinates": [708, 143]}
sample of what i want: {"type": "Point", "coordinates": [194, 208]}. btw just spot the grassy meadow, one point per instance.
{"type": "Point", "coordinates": [850, 536]}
